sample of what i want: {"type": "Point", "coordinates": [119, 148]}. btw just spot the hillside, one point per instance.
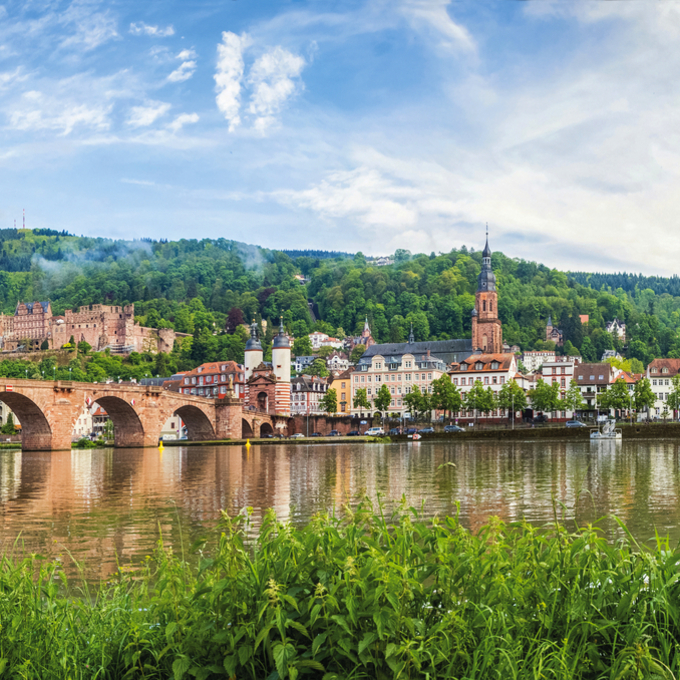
{"type": "Point", "coordinates": [204, 286]}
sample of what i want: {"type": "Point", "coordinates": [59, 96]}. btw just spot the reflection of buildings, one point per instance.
{"type": "Point", "coordinates": [106, 506]}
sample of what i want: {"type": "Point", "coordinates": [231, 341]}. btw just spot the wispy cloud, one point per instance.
{"type": "Point", "coordinates": [183, 72]}
{"type": "Point", "coordinates": [433, 17]}
{"type": "Point", "coordinates": [229, 74]}
{"type": "Point", "coordinates": [143, 116]}
{"type": "Point", "coordinates": [272, 79]}
{"type": "Point", "coordinates": [182, 120]}
{"type": "Point", "coordinates": [140, 28]}
{"type": "Point", "coordinates": [93, 28]}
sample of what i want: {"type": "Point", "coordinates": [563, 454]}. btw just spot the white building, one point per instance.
{"type": "Point", "coordinates": [562, 373]}
{"type": "Point", "coordinates": [618, 328]}
{"type": "Point", "coordinates": [492, 370]}
{"type": "Point", "coordinates": [306, 393]}
{"type": "Point", "coordinates": [337, 363]}
{"type": "Point", "coordinates": [83, 426]}
{"type": "Point", "coordinates": [303, 362]}
{"type": "Point", "coordinates": [532, 361]}
{"type": "Point", "coordinates": [659, 373]}
{"type": "Point", "coordinates": [319, 339]}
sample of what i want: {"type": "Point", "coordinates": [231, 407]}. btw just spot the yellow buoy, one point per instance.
{"type": "Point", "coordinates": [248, 443]}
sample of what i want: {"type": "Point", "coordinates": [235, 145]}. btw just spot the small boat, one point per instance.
{"type": "Point", "coordinates": [415, 436]}
{"type": "Point", "coordinates": [607, 431]}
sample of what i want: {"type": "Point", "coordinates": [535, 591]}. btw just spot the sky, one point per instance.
{"type": "Point", "coordinates": [361, 125]}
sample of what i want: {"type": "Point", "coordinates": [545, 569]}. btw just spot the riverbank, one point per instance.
{"type": "Point", "coordinates": [364, 597]}
{"type": "Point", "coordinates": [541, 433]}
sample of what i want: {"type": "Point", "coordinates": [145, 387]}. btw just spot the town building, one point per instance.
{"type": "Point", "coordinates": [319, 339]}
{"type": "Point", "coordinates": [492, 370]}
{"type": "Point", "coordinates": [617, 328]}
{"type": "Point", "coordinates": [83, 426]}
{"type": "Point", "coordinates": [337, 362]}
{"type": "Point", "coordinates": [553, 334]}
{"type": "Point", "coordinates": [342, 384]}
{"type": "Point", "coordinates": [532, 361]}
{"type": "Point", "coordinates": [365, 339]}
{"type": "Point", "coordinates": [302, 363]}
{"type": "Point", "coordinates": [659, 373]}
{"type": "Point", "coordinates": [594, 379]}
{"type": "Point", "coordinates": [306, 393]}
{"type": "Point", "coordinates": [101, 326]}
{"type": "Point", "coordinates": [400, 366]}
{"type": "Point", "coordinates": [562, 373]}
{"type": "Point", "coordinates": [209, 380]}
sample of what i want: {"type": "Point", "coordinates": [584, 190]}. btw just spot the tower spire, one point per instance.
{"type": "Point", "coordinates": [411, 337]}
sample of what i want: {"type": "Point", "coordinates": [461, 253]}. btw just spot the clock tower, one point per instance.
{"type": "Point", "coordinates": [487, 332]}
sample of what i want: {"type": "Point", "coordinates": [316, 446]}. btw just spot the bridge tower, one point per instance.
{"type": "Point", "coordinates": [281, 369]}
{"type": "Point", "coordinates": [253, 353]}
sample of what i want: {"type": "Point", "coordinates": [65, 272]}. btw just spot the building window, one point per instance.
{"type": "Point", "coordinates": [502, 380]}
{"type": "Point", "coordinates": [486, 379]}
{"type": "Point", "coordinates": [455, 381]}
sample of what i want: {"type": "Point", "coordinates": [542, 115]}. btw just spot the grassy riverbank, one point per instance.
{"type": "Point", "coordinates": [361, 597]}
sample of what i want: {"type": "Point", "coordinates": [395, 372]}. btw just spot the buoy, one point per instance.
{"type": "Point", "coordinates": [247, 443]}
{"type": "Point", "coordinates": [160, 446]}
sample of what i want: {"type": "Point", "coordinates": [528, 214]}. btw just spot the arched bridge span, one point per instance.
{"type": "Point", "coordinates": [48, 411]}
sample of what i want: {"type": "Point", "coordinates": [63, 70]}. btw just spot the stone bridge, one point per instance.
{"type": "Point", "coordinates": [48, 412]}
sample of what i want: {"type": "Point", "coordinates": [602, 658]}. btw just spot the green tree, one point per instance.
{"type": "Point", "coordinates": [318, 367]}
{"type": "Point", "coordinates": [414, 401]}
{"type": "Point", "coordinates": [383, 399]}
{"type": "Point", "coordinates": [545, 397]}
{"type": "Point", "coordinates": [572, 400]}
{"type": "Point", "coordinates": [325, 352]}
{"type": "Point", "coordinates": [616, 397]}
{"type": "Point", "coordinates": [361, 399]}
{"type": "Point", "coordinates": [478, 399]}
{"type": "Point", "coordinates": [588, 351]}
{"type": "Point", "coordinates": [357, 353]}
{"type": "Point", "coordinates": [636, 366]}
{"type": "Point", "coordinates": [673, 400]}
{"type": "Point", "coordinates": [329, 401]}
{"type": "Point", "coordinates": [643, 397]}
{"type": "Point", "coordinates": [45, 345]}
{"type": "Point", "coordinates": [445, 395]}
{"type": "Point", "coordinates": [8, 427]}
{"type": "Point", "coordinates": [84, 347]}
{"type": "Point", "coordinates": [302, 347]}
{"type": "Point", "coordinates": [510, 396]}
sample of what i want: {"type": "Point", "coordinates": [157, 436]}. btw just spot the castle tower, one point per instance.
{"type": "Point", "coordinates": [487, 332]}
{"type": "Point", "coordinates": [281, 369]}
{"type": "Point", "coordinates": [549, 328]}
{"type": "Point", "coordinates": [253, 353]}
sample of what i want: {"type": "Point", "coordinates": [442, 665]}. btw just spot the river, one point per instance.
{"type": "Point", "coordinates": [106, 507]}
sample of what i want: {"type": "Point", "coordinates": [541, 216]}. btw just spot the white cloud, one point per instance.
{"type": "Point", "coordinates": [182, 120]}
{"type": "Point", "coordinates": [37, 111]}
{"type": "Point", "coordinates": [92, 28]}
{"type": "Point", "coordinates": [154, 31]}
{"type": "Point", "coordinates": [183, 72]}
{"type": "Point", "coordinates": [186, 55]}
{"type": "Point", "coordinates": [272, 80]}
{"type": "Point", "coordinates": [229, 74]}
{"type": "Point", "coordinates": [142, 116]}
{"type": "Point", "coordinates": [432, 15]}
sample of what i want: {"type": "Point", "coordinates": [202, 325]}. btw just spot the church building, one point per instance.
{"type": "Point", "coordinates": [487, 333]}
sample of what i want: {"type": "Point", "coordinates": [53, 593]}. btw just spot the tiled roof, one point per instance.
{"type": "Point", "coordinates": [215, 367]}
{"type": "Point", "coordinates": [672, 366]}
{"type": "Point", "coordinates": [446, 350]}
{"type": "Point", "coordinates": [589, 374]}
{"type": "Point", "coordinates": [504, 363]}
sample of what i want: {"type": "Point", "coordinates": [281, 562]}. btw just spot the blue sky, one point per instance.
{"type": "Point", "coordinates": [358, 125]}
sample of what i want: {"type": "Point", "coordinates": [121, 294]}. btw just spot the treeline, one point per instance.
{"type": "Point", "coordinates": [208, 287]}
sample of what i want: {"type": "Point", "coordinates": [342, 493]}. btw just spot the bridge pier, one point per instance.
{"type": "Point", "coordinates": [228, 417]}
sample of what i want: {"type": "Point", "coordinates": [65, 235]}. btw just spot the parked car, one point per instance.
{"type": "Point", "coordinates": [353, 433]}
{"type": "Point", "coordinates": [395, 430]}
{"type": "Point", "coordinates": [316, 434]}
{"type": "Point", "coordinates": [453, 428]}
{"type": "Point", "coordinates": [269, 435]}
{"type": "Point", "coordinates": [574, 423]}
{"type": "Point", "coordinates": [297, 435]}
{"type": "Point", "coordinates": [540, 418]}
{"type": "Point", "coordinates": [411, 430]}
{"type": "Point", "coordinates": [374, 432]}
{"type": "Point", "coordinates": [427, 430]}
{"type": "Point", "coordinates": [333, 433]}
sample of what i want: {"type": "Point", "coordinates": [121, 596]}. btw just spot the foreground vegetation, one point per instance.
{"type": "Point", "coordinates": [359, 597]}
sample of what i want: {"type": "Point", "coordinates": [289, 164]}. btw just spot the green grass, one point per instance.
{"type": "Point", "coordinates": [361, 596]}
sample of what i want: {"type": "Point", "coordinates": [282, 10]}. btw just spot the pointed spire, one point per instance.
{"type": "Point", "coordinates": [487, 250]}
{"type": "Point", "coordinates": [281, 331]}
{"type": "Point", "coordinates": [549, 320]}
{"type": "Point", "coordinates": [411, 337]}
{"type": "Point", "coordinates": [281, 341]}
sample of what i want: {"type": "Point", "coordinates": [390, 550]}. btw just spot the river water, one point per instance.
{"type": "Point", "coordinates": [106, 507]}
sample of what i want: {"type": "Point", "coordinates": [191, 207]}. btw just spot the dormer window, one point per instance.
{"type": "Point", "coordinates": [664, 370]}
{"type": "Point", "coordinates": [479, 366]}
{"type": "Point", "coordinates": [463, 367]}
{"type": "Point", "coordinates": [653, 370]}
{"type": "Point", "coordinates": [494, 365]}
{"type": "Point", "coordinates": [200, 369]}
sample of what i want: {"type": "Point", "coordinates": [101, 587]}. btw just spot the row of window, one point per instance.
{"type": "Point", "coordinates": [495, 380]}
{"type": "Point", "coordinates": [392, 378]}
{"type": "Point", "coordinates": [407, 390]}
{"type": "Point", "coordinates": [661, 382]}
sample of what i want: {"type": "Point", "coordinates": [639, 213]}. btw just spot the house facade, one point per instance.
{"type": "Point", "coordinates": [306, 393]}
{"type": "Point", "coordinates": [659, 373]}
{"type": "Point", "coordinates": [211, 380]}
{"type": "Point", "coordinates": [342, 384]}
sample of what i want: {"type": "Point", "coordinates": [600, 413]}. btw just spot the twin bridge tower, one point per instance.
{"type": "Point", "coordinates": [48, 412]}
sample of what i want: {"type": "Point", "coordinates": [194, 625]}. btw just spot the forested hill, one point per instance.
{"type": "Point", "coordinates": [629, 282]}
{"type": "Point", "coordinates": [206, 287]}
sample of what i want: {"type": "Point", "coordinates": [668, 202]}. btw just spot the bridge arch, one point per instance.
{"type": "Point", "coordinates": [36, 433]}
{"type": "Point", "coordinates": [199, 427]}
{"type": "Point", "coordinates": [127, 426]}
{"type": "Point", "coordinates": [266, 428]}
{"type": "Point", "coordinates": [246, 429]}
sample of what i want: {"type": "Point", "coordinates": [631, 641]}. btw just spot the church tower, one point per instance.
{"type": "Point", "coordinates": [487, 332]}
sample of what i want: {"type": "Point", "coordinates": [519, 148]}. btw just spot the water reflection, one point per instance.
{"type": "Point", "coordinates": [105, 506]}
